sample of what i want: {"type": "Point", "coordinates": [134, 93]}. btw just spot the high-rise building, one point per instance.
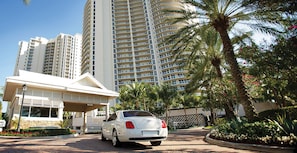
{"type": "Point", "coordinates": [63, 56]}
{"type": "Point", "coordinates": [31, 55]}
{"type": "Point", "coordinates": [122, 42]}
{"type": "Point", "coordinates": [60, 56]}
{"type": "Point", "coordinates": [97, 56]}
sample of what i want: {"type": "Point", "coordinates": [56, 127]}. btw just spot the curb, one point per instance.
{"type": "Point", "coordinates": [254, 147]}
{"type": "Point", "coordinates": [45, 137]}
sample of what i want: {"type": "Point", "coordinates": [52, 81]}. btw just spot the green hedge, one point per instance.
{"type": "Point", "coordinates": [37, 132]}
{"type": "Point", "coordinates": [49, 132]}
{"type": "Point", "coordinates": [288, 112]}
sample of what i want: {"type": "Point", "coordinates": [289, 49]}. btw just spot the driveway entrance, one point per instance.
{"type": "Point", "coordinates": [182, 141]}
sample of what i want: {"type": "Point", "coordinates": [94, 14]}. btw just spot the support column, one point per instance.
{"type": "Point", "coordinates": [60, 111]}
{"type": "Point", "coordinates": [84, 123]}
{"type": "Point", "coordinates": [107, 111]}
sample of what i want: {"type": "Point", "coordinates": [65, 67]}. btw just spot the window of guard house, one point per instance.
{"type": "Point", "coordinates": [54, 112]}
{"type": "Point", "coordinates": [39, 112]}
{"type": "Point", "coordinates": [25, 111]}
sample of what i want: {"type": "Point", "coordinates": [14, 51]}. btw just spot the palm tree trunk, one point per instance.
{"type": "Point", "coordinates": [212, 116]}
{"type": "Point", "coordinates": [236, 74]}
{"type": "Point", "coordinates": [197, 116]}
{"type": "Point", "coordinates": [228, 106]}
{"type": "Point", "coordinates": [229, 110]}
{"type": "Point", "coordinates": [166, 115]}
{"type": "Point", "coordinates": [185, 111]}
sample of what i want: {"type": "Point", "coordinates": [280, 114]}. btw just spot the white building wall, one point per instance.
{"type": "Point", "coordinates": [21, 58]}
{"type": "Point", "coordinates": [35, 55]}
{"type": "Point", "coordinates": [97, 48]}
{"type": "Point", "coordinates": [64, 62]}
{"type": "Point", "coordinates": [76, 69]}
{"type": "Point", "coordinates": [121, 43]}
{"type": "Point", "coordinates": [31, 55]}
{"type": "Point", "coordinates": [97, 56]}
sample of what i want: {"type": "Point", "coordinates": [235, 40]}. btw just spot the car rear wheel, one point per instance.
{"type": "Point", "coordinates": [102, 137]}
{"type": "Point", "coordinates": [115, 140]}
{"type": "Point", "coordinates": [156, 143]}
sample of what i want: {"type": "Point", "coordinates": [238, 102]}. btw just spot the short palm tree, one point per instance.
{"type": "Point", "coordinates": [223, 16]}
{"type": "Point", "coordinates": [167, 95]}
{"type": "Point", "coordinates": [132, 96]}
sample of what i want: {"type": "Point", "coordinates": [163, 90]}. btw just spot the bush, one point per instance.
{"type": "Point", "coordinates": [264, 132]}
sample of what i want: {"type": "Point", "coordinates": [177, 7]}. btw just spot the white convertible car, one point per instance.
{"type": "Point", "coordinates": [133, 126]}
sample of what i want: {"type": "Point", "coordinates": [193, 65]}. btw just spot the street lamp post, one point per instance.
{"type": "Point", "coordinates": [21, 110]}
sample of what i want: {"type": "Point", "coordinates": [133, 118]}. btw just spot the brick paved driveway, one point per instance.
{"type": "Point", "coordinates": [190, 140]}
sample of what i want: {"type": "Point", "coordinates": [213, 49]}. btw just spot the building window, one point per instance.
{"type": "Point", "coordinates": [39, 112]}
{"type": "Point", "coordinates": [54, 112]}
{"type": "Point", "coordinates": [25, 111]}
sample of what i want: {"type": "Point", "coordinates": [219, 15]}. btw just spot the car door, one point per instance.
{"type": "Point", "coordinates": [108, 126]}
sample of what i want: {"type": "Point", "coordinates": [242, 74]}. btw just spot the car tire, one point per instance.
{"type": "Point", "coordinates": [102, 137]}
{"type": "Point", "coordinates": [156, 143]}
{"type": "Point", "coordinates": [115, 139]}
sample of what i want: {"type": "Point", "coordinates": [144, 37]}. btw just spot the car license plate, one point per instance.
{"type": "Point", "coordinates": [150, 133]}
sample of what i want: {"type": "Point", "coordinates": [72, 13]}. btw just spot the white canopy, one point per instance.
{"type": "Point", "coordinates": [85, 85]}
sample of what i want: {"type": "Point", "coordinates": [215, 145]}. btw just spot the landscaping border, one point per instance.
{"type": "Point", "coordinates": [42, 137]}
{"type": "Point", "coordinates": [255, 147]}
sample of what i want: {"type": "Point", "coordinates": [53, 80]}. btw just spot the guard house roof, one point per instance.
{"type": "Point", "coordinates": [85, 84]}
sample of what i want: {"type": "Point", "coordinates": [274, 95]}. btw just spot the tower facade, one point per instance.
{"type": "Point", "coordinates": [60, 56]}
{"type": "Point", "coordinates": [31, 55]}
{"type": "Point", "coordinates": [97, 46]}
{"type": "Point", "coordinates": [129, 33]}
{"type": "Point", "coordinates": [63, 56]}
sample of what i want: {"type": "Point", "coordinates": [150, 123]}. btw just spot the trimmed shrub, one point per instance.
{"type": "Point", "coordinates": [264, 132]}
{"type": "Point", "coordinates": [31, 132]}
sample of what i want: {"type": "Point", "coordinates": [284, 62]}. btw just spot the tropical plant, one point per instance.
{"type": "Point", "coordinates": [206, 70]}
{"type": "Point", "coordinates": [66, 122]}
{"type": "Point", "coordinates": [132, 96]}
{"type": "Point", "coordinates": [287, 125]}
{"type": "Point", "coordinates": [265, 132]}
{"type": "Point", "coordinates": [167, 95]}
{"type": "Point", "coordinates": [186, 100]}
{"type": "Point", "coordinates": [275, 69]}
{"type": "Point", "coordinates": [223, 16]}
{"type": "Point", "coordinates": [289, 7]}
{"type": "Point", "coordinates": [152, 101]}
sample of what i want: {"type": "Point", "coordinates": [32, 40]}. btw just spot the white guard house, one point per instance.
{"type": "Point", "coordinates": [46, 97]}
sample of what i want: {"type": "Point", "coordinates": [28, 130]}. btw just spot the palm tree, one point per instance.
{"type": "Point", "coordinates": [167, 95]}
{"type": "Point", "coordinates": [152, 98]}
{"type": "Point", "coordinates": [186, 100]}
{"type": "Point", "coordinates": [132, 95]}
{"type": "Point", "coordinates": [208, 65]}
{"type": "Point", "coordinates": [223, 16]}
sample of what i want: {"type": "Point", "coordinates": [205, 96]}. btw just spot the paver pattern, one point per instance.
{"type": "Point", "coordinates": [180, 141]}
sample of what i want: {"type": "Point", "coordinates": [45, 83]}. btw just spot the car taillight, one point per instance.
{"type": "Point", "coordinates": [129, 125]}
{"type": "Point", "coordinates": [164, 125]}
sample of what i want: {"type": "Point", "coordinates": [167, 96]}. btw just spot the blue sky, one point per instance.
{"type": "Point", "coordinates": [44, 18]}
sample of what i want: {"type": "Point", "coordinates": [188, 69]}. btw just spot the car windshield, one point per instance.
{"type": "Point", "coordinates": [137, 113]}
